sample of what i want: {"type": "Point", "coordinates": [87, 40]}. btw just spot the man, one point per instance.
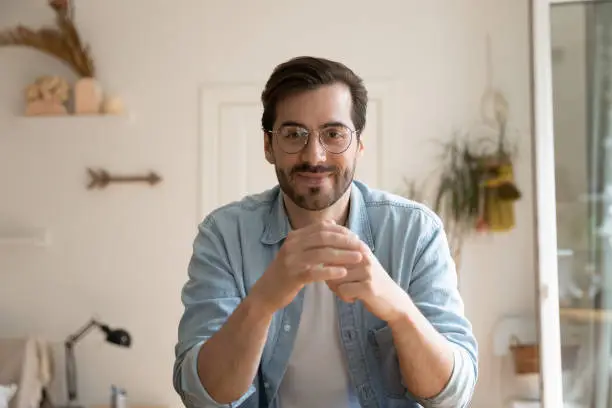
{"type": "Point", "coordinates": [322, 292]}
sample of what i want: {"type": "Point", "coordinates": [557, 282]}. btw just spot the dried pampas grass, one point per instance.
{"type": "Point", "coordinates": [62, 41]}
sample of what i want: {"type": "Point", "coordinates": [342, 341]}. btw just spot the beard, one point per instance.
{"type": "Point", "coordinates": [315, 199]}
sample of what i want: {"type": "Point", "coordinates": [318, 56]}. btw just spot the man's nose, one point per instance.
{"type": "Point", "coordinates": [313, 152]}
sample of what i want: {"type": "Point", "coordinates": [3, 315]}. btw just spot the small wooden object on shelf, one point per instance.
{"type": "Point", "coordinates": [87, 97]}
{"type": "Point", "coordinates": [47, 96]}
{"type": "Point", "coordinates": [113, 105]}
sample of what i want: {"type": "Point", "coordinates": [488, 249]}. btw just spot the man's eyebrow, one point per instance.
{"type": "Point", "coordinates": [292, 123]}
{"type": "Point", "coordinates": [334, 123]}
{"type": "Point", "coordinates": [327, 124]}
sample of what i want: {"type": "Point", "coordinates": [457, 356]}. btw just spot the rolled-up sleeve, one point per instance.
{"type": "Point", "coordinates": [209, 297]}
{"type": "Point", "coordinates": [434, 290]}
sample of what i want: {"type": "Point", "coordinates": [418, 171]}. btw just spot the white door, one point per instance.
{"type": "Point", "coordinates": [232, 162]}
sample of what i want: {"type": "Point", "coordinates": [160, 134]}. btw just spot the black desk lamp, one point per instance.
{"type": "Point", "coordinates": [119, 337]}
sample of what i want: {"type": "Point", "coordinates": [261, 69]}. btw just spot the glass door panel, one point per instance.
{"type": "Point", "coordinates": [581, 40]}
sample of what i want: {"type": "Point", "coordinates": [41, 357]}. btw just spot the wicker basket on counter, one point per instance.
{"type": "Point", "coordinates": [526, 357]}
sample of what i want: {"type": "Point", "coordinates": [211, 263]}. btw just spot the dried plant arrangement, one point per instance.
{"type": "Point", "coordinates": [62, 41]}
{"type": "Point", "coordinates": [47, 94]}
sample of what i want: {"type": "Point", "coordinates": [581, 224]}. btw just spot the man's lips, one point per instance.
{"type": "Point", "coordinates": [310, 178]}
{"type": "Point", "coordinates": [310, 174]}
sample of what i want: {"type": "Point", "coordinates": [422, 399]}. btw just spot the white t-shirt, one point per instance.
{"type": "Point", "coordinates": [317, 373]}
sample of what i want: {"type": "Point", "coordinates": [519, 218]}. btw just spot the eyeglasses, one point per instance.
{"type": "Point", "coordinates": [334, 139]}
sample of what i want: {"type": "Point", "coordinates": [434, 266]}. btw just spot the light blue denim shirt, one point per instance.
{"type": "Point", "coordinates": [237, 242]}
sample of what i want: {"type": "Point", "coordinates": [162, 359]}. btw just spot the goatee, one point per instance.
{"type": "Point", "coordinates": [315, 199]}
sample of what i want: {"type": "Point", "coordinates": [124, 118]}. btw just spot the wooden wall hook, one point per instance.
{"type": "Point", "coordinates": [101, 179]}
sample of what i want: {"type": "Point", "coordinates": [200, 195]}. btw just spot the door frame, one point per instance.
{"type": "Point", "coordinates": [543, 154]}
{"type": "Point", "coordinates": [543, 161]}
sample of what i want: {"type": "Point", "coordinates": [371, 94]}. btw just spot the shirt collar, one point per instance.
{"type": "Point", "coordinates": [277, 224]}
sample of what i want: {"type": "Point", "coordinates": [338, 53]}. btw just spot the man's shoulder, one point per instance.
{"type": "Point", "coordinates": [252, 206]}
{"type": "Point", "coordinates": [381, 203]}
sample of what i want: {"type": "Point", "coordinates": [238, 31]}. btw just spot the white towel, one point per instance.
{"type": "Point", "coordinates": [6, 394]}
{"type": "Point", "coordinates": [26, 362]}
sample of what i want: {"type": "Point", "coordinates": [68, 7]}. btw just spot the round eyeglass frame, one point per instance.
{"type": "Point", "coordinates": [310, 132]}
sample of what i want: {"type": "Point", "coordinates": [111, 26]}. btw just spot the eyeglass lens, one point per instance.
{"type": "Point", "coordinates": [335, 139]}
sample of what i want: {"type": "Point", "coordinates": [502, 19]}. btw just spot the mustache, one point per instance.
{"type": "Point", "coordinates": [307, 168]}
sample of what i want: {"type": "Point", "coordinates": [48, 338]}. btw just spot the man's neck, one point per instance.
{"type": "Point", "coordinates": [299, 217]}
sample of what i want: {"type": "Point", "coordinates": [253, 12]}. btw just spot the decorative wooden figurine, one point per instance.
{"type": "Point", "coordinates": [87, 97]}
{"type": "Point", "coordinates": [47, 96]}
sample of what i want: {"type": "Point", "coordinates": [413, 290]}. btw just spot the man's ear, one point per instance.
{"type": "Point", "coordinates": [360, 148]}
{"type": "Point", "coordinates": [268, 148]}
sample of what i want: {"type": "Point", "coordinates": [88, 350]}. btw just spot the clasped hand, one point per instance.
{"type": "Point", "coordinates": [334, 254]}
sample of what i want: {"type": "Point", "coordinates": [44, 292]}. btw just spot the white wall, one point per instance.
{"type": "Point", "coordinates": [498, 272]}
{"type": "Point", "coordinates": [121, 254]}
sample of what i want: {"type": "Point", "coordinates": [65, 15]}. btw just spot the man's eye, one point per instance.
{"type": "Point", "coordinates": [293, 135]}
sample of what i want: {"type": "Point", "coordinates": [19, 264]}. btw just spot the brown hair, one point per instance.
{"type": "Point", "coordinates": [306, 73]}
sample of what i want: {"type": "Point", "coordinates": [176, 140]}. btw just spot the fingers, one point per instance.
{"type": "Point", "coordinates": [325, 234]}
{"type": "Point", "coordinates": [317, 226]}
{"type": "Point", "coordinates": [321, 272]}
{"type": "Point", "coordinates": [349, 292]}
{"type": "Point", "coordinates": [352, 275]}
{"type": "Point", "coordinates": [322, 251]}
{"type": "Point", "coordinates": [332, 257]}
{"type": "Point", "coordinates": [328, 238]}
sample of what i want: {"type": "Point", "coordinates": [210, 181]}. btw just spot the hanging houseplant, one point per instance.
{"type": "Point", "coordinates": [474, 188]}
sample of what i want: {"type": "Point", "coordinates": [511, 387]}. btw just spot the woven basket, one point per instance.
{"type": "Point", "coordinates": [527, 357]}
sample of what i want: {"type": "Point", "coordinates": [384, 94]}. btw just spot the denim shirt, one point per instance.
{"type": "Point", "coordinates": [236, 243]}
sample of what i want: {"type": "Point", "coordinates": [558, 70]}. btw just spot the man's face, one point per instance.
{"type": "Point", "coordinates": [314, 178]}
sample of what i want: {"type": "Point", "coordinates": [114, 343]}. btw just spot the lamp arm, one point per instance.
{"type": "Point", "coordinates": [71, 370]}
{"type": "Point", "coordinates": [71, 374]}
{"type": "Point", "coordinates": [82, 332]}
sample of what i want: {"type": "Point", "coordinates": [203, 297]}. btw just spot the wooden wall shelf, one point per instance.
{"type": "Point", "coordinates": [24, 122]}
{"type": "Point", "coordinates": [579, 315]}
{"type": "Point", "coordinates": [34, 237]}
{"type": "Point", "coordinates": [67, 118]}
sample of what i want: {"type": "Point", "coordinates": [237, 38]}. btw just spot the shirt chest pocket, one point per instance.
{"type": "Point", "coordinates": [385, 354]}
{"type": "Point", "coordinates": [250, 264]}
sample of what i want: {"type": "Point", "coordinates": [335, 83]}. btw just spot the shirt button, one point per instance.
{"type": "Point", "coordinates": [366, 392]}
{"type": "Point", "coordinates": [348, 335]}
{"type": "Point", "coordinates": [287, 327]}
{"type": "Point", "coordinates": [267, 384]}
